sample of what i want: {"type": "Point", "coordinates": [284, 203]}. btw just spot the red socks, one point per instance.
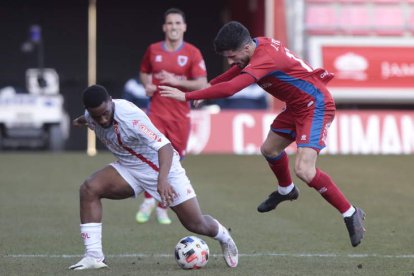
{"type": "Point", "coordinates": [329, 191]}
{"type": "Point", "coordinates": [147, 195]}
{"type": "Point", "coordinates": [280, 167]}
{"type": "Point", "coordinates": [321, 182]}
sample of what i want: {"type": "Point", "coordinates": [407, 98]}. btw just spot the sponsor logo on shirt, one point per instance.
{"type": "Point", "coordinates": [182, 60]}
{"type": "Point", "coordinates": [158, 58]}
{"type": "Point", "coordinates": [148, 132]}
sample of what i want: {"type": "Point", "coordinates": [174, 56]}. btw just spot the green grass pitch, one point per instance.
{"type": "Point", "coordinates": [39, 220]}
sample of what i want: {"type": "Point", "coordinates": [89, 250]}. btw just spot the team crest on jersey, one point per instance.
{"type": "Point", "coordinates": [182, 60]}
{"type": "Point", "coordinates": [135, 122]}
{"type": "Point", "coordinates": [158, 58]}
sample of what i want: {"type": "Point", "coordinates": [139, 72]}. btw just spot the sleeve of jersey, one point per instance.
{"type": "Point", "coordinates": [89, 121]}
{"type": "Point", "coordinates": [145, 63]}
{"type": "Point", "coordinates": [223, 89]}
{"type": "Point", "coordinates": [226, 76]}
{"type": "Point", "coordinates": [198, 68]}
{"type": "Point", "coordinates": [145, 131]}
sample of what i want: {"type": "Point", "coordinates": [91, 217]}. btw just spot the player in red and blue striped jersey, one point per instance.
{"type": "Point", "coordinates": [310, 110]}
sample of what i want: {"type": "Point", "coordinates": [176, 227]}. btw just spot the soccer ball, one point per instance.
{"type": "Point", "coordinates": [191, 253]}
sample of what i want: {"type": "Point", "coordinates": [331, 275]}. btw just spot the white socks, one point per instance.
{"type": "Point", "coordinates": [91, 234]}
{"type": "Point", "coordinates": [222, 234]}
{"type": "Point", "coordinates": [285, 190]}
{"type": "Point", "coordinates": [349, 212]}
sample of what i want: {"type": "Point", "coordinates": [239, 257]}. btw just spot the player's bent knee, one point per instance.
{"type": "Point", "coordinates": [268, 152]}
{"type": "Point", "coordinates": [88, 189]}
{"type": "Point", "coordinates": [304, 173]}
{"type": "Point", "coordinates": [265, 150]}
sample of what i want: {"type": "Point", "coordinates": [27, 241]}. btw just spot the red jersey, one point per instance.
{"type": "Point", "coordinates": [278, 72]}
{"type": "Point", "coordinates": [185, 63]}
{"type": "Point", "coordinates": [286, 76]}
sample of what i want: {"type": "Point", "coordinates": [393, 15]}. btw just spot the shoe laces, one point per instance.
{"type": "Point", "coordinates": [229, 247]}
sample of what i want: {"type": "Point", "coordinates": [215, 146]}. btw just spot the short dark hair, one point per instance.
{"type": "Point", "coordinates": [94, 96]}
{"type": "Point", "coordinates": [175, 11]}
{"type": "Point", "coordinates": [232, 36]}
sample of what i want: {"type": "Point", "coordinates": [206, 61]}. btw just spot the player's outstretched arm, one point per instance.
{"type": "Point", "coordinates": [226, 76]}
{"type": "Point", "coordinates": [80, 121]}
{"type": "Point", "coordinates": [220, 90]}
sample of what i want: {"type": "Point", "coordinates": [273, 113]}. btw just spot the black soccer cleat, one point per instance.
{"type": "Point", "coordinates": [275, 198]}
{"type": "Point", "coordinates": [355, 226]}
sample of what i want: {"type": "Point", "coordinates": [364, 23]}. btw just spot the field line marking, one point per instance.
{"type": "Point", "coordinates": [298, 255]}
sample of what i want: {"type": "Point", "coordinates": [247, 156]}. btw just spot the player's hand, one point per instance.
{"type": "Point", "coordinates": [150, 89]}
{"type": "Point", "coordinates": [168, 78]}
{"type": "Point", "coordinates": [171, 92]}
{"type": "Point", "coordinates": [166, 192]}
{"type": "Point", "coordinates": [80, 121]}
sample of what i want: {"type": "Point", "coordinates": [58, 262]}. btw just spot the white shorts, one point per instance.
{"type": "Point", "coordinates": [148, 181]}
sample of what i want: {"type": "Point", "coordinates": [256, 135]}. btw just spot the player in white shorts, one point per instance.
{"type": "Point", "coordinates": [146, 161]}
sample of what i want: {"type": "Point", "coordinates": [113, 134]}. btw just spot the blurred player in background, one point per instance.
{"type": "Point", "coordinates": [310, 110]}
{"type": "Point", "coordinates": [176, 63]}
{"type": "Point", "coordinates": [146, 161]}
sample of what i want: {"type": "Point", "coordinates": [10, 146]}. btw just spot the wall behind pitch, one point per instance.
{"type": "Point", "coordinates": [125, 28]}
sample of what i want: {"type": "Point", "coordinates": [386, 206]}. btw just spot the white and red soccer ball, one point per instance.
{"type": "Point", "coordinates": [191, 253]}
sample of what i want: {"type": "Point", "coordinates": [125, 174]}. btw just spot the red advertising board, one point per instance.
{"type": "Point", "coordinates": [367, 69]}
{"type": "Point", "coordinates": [370, 66]}
{"type": "Point", "coordinates": [352, 132]}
